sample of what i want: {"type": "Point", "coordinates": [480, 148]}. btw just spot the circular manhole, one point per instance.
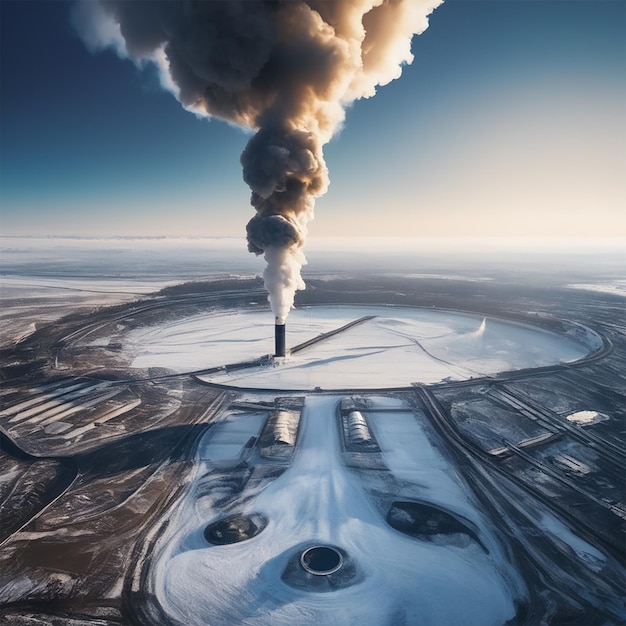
{"type": "Point", "coordinates": [321, 560]}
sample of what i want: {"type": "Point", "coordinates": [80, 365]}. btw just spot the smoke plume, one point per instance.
{"type": "Point", "coordinates": [284, 68]}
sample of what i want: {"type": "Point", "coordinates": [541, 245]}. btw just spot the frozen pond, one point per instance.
{"type": "Point", "coordinates": [395, 348]}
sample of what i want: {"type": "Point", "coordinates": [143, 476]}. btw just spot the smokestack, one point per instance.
{"type": "Point", "coordinates": [279, 340]}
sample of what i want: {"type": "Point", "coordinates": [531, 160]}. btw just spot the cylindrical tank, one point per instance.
{"type": "Point", "coordinates": [358, 432]}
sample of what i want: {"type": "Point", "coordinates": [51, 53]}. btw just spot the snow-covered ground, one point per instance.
{"type": "Point", "coordinates": [44, 278]}
{"type": "Point", "coordinates": [399, 346]}
{"type": "Point", "coordinates": [616, 287]}
{"type": "Point", "coordinates": [29, 302]}
{"type": "Point", "coordinates": [319, 501]}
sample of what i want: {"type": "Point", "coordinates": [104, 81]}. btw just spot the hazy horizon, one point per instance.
{"type": "Point", "coordinates": [182, 258]}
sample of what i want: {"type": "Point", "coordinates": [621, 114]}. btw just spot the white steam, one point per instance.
{"type": "Point", "coordinates": [285, 68]}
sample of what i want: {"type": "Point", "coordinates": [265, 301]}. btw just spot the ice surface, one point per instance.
{"type": "Point", "coordinates": [400, 346]}
{"type": "Point", "coordinates": [319, 501]}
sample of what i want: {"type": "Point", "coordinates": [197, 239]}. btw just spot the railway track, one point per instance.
{"type": "Point", "coordinates": [554, 423]}
{"type": "Point", "coordinates": [620, 511]}
{"type": "Point", "coordinates": [612, 542]}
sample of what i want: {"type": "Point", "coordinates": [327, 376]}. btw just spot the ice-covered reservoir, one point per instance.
{"type": "Point", "coordinates": [396, 347]}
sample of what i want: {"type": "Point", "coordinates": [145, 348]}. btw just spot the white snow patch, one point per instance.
{"type": "Point", "coordinates": [616, 288]}
{"type": "Point", "coordinates": [473, 279]}
{"type": "Point", "coordinates": [585, 551]}
{"type": "Point", "coordinates": [587, 417]}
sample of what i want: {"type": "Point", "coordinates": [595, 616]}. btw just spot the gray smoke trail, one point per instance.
{"type": "Point", "coordinates": [285, 68]}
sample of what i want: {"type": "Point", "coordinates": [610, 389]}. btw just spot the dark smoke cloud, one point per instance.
{"type": "Point", "coordinates": [285, 68]}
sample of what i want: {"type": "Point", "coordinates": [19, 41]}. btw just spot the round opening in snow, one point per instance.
{"type": "Point", "coordinates": [234, 529]}
{"type": "Point", "coordinates": [321, 560]}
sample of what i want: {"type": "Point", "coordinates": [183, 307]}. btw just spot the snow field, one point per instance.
{"type": "Point", "coordinates": [396, 348]}
{"type": "Point", "coordinates": [319, 501]}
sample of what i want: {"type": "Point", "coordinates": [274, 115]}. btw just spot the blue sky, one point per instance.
{"type": "Point", "coordinates": [510, 121]}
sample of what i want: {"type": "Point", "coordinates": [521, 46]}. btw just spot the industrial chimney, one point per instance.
{"type": "Point", "coordinates": [279, 340]}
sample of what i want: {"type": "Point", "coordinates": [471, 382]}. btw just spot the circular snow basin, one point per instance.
{"type": "Point", "coordinates": [392, 347]}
